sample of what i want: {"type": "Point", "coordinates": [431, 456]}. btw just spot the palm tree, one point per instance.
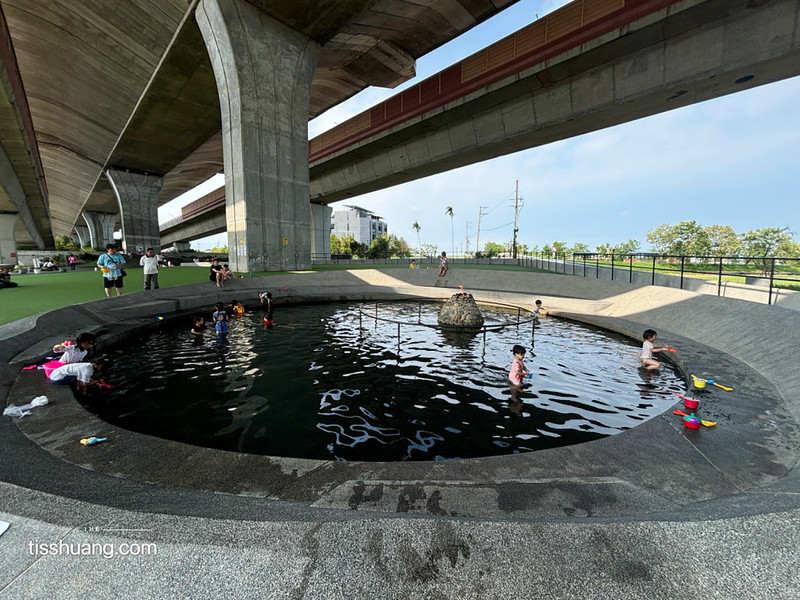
{"type": "Point", "coordinates": [416, 228]}
{"type": "Point", "coordinates": [449, 211]}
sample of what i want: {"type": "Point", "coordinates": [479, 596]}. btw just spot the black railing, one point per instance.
{"type": "Point", "coordinates": [683, 271]}
{"type": "Point", "coordinates": [773, 273]}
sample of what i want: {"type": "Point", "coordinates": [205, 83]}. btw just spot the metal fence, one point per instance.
{"type": "Point", "coordinates": [763, 276]}
{"type": "Point", "coordinates": [682, 271]}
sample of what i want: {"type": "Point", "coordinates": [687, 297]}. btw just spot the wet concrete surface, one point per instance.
{"type": "Point", "coordinates": [609, 518]}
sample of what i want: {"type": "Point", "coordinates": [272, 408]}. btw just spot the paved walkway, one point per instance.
{"type": "Point", "coordinates": [656, 512]}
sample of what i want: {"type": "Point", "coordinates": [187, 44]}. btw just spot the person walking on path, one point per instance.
{"type": "Point", "coordinates": [443, 266]}
{"type": "Point", "coordinates": [111, 265]}
{"type": "Point", "coordinates": [72, 260]}
{"type": "Point", "coordinates": [149, 263]}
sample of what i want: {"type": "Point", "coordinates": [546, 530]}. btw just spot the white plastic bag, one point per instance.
{"type": "Point", "coordinates": [20, 411]}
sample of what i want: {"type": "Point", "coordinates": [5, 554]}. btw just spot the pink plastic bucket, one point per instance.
{"type": "Point", "coordinates": [51, 366]}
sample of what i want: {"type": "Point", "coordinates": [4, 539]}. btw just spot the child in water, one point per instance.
{"type": "Point", "coordinates": [237, 308]}
{"type": "Point", "coordinates": [266, 300]}
{"type": "Point", "coordinates": [648, 347]}
{"type": "Point", "coordinates": [518, 370]}
{"type": "Point", "coordinates": [198, 325]}
{"type": "Point", "coordinates": [219, 309]}
{"type": "Point", "coordinates": [539, 311]}
{"type": "Point", "coordinates": [221, 325]}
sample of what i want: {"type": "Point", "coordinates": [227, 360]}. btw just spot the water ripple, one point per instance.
{"type": "Point", "coordinates": [317, 386]}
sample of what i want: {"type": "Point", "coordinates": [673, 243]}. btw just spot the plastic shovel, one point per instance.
{"type": "Point", "coordinates": [683, 414]}
{"type": "Point", "coordinates": [719, 385]}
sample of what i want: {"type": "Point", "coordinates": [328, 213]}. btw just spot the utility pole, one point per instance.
{"type": "Point", "coordinates": [466, 239]}
{"type": "Point", "coordinates": [517, 204]}
{"type": "Point", "coordinates": [478, 239]}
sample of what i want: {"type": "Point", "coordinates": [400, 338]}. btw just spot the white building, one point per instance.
{"type": "Point", "coordinates": [363, 225]}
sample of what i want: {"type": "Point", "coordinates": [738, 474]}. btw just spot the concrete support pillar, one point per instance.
{"type": "Point", "coordinates": [8, 244]}
{"type": "Point", "coordinates": [321, 230]}
{"type": "Point", "coordinates": [137, 195]}
{"type": "Point", "coordinates": [263, 71]}
{"type": "Point", "coordinates": [101, 228]}
{"type": "Point", "coordinates": [82, 233]}
{"type": "Point", "coordinates": [10, 186]}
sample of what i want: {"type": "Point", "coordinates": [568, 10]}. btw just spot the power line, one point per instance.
{"type": "Point", "coordinates": [498, 227]}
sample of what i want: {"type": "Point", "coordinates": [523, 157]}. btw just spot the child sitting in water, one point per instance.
{"type": "Point", "coordinates": [648, 347]}
{"type": "Point", "coordinates": [518, 370]}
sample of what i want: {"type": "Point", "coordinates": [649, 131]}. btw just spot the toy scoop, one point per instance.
{"type": "Point", "coordinates": [719, 385]}
{"type": "Point", "coordinates": [683, 414]}
{"type": "Point", "coordinates": [711, 381]}
{"type": "Point", "coordinates": [91, 441]}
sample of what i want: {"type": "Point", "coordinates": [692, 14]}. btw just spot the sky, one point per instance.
{"type": "Point", "coordinates": [730, 161]}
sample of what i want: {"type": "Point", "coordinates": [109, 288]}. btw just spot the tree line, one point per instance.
{"type": "Point", "coordinates": [686, 238]}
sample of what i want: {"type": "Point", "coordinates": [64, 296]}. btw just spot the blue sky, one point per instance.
{"type": "Point", "coordinates": [730, 161]}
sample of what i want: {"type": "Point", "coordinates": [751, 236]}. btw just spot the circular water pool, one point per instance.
{"type": "Point", "coordinates": [326, 383]}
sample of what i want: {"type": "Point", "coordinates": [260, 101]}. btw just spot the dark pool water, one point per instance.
{"type": "Point", "coordinates": [316, 385]}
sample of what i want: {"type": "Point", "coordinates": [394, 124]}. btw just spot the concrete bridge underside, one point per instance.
{"type": "Point", "coordinates": [110, 90]}
{"type": "Point", "coordinates": [687, 53]}
{"type": "Point", "coordinates": [691, 52]}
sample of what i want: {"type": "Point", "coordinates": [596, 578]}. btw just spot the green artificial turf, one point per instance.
{"type": "Point", "coordinates": [46, 291]}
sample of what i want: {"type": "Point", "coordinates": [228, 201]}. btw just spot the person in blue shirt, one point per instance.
{"type": "Point", "coordinates": [111, 265]}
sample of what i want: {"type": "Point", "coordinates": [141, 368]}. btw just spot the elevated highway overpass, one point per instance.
{"type": "Point", "coordinates": [587, 66]}
{"type": "Point", "coordinates": [592, 64]}
{"type": "Point", "coordinates": [110, 109]}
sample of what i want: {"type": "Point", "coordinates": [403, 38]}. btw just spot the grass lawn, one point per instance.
{"type": "Point", "coordinates": [46, 291]}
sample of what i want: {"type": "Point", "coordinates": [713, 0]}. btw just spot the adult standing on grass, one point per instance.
{"type": "Point", "coordinates": [111, 265]}
{"type": "Point", "coordinates": [149, 264]}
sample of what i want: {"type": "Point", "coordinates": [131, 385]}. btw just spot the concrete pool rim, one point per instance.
{"type": "Point", "coordinates": [655, 468]}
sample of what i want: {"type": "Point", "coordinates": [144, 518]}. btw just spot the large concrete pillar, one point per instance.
{"type": "Point", "coordinates": [11, 186]}
{"type": "Point", "coordinates": [101, 228]}
{"type": "Point", "coordinates": [137, 195]}
{"type": "Point", "coordinates": [82, 233]}
{"type": "Point", "coordinates": [8, 244]}
{"type": "Point", "coordinates": [263, 71]}
{"type": "Point", "coordinates": [321, 230]}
